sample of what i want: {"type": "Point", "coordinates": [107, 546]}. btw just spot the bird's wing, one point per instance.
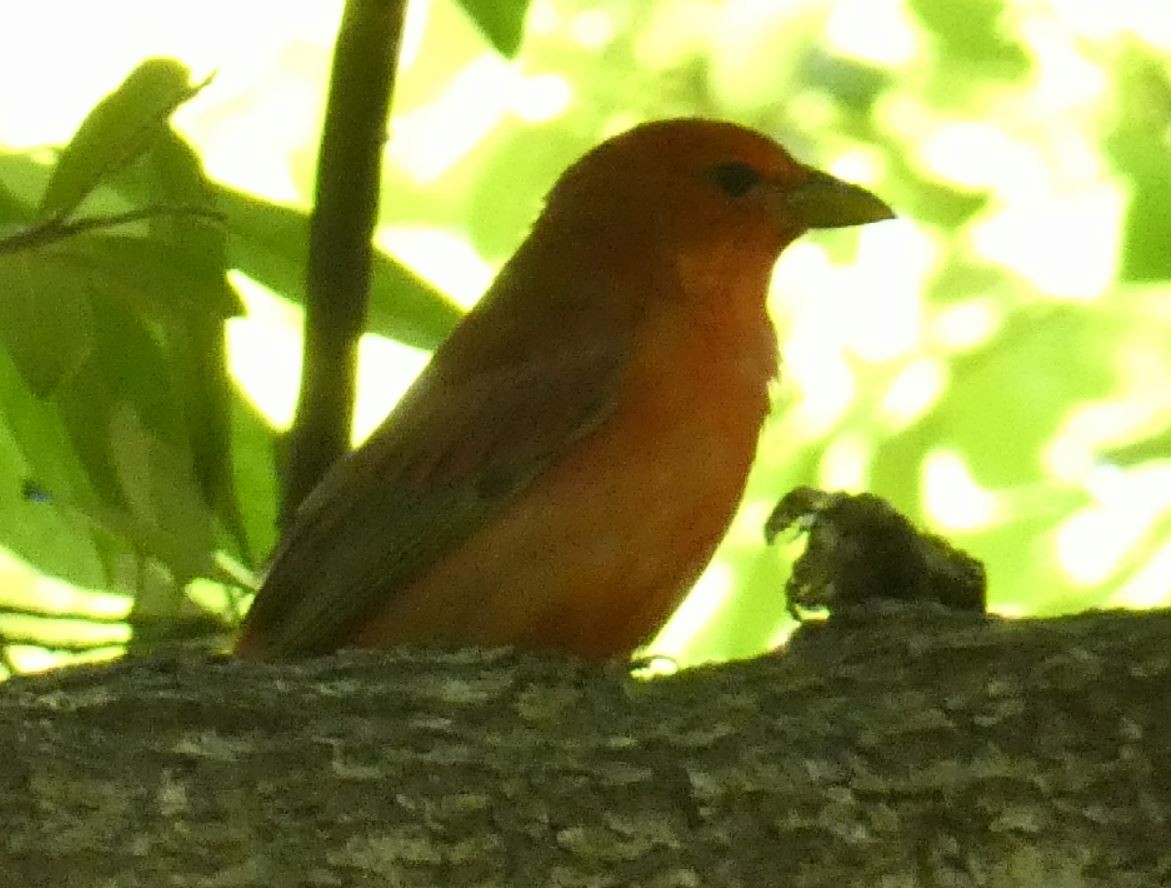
{"type": "Point", "coordinates": [450, 455]}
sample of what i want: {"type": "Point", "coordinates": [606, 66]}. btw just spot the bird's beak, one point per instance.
{"type": "Point", "coordinates": [822, 201]}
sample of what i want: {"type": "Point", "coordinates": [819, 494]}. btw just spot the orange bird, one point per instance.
{"type": "Point", "coordinates": [563, 469]}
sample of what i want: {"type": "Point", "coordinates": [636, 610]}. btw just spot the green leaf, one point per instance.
{"type": "Point", "coordinates": [45, 321]}
{"type": "Point", "coordinates": [1152, 446]}
{"type": "Point", "coordinates": [35, 444]}
{"type": "Point", "coordinates": [175, 275]}
{"type": "Point", "coordinates": [972, 33]}
{"type": "Point", "coordinates": [203, 394]}
{"type": "Point", "coordinates": [269, 243]}
{"type": "Point", "coordinates": [116, 132]}
{"type": "Point", "coordinates": [855, 85]}
{"type": "Point", "coordinates": [164, 281]}
{"type": "Point", "coordinates": [14, 212]}
{"type": "Point", "coordinates": [157, 513]}
{"type": "Point", "coordinates": [126, 428]}
{"type": "Point", "coordinates": [168, 517]}
{"type": "Point", "coordinates": [501, 21]}
{"type": "Point", "coordinates": [1137, 147]}
{"type": "Point", "coordinates": [178, 180]}
{"type": "Point", "coordinates": [199, 351]}
{"type": "Point", "coordinates": [947, 207]}
{"type": "Point", "coordinates": [22, 181]}
{"type": "Point", "coordinates": [127, 364]}
{"type": "Point", "coordinates": [255, 472]}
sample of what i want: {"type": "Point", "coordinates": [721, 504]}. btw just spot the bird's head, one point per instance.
{"type": "Point", "coordinates": [707, 192]}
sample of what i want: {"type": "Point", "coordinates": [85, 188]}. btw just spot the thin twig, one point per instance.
{"type": "Point", "coordinates": [53, 230]}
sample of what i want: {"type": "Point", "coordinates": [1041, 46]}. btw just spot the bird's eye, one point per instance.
{"type": "Point", "coordinates": [734, 178]}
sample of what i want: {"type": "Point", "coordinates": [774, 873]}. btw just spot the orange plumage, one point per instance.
{"type": "Point", "coordinates": [564, 467]}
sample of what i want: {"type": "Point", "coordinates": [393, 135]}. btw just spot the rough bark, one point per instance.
{"type": "Point", "coordinates": [911, 747]}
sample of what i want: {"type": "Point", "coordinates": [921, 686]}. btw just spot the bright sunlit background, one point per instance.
{"type": "Point", "coordinates": [996, 362]}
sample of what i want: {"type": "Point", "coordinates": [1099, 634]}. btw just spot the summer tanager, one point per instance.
{"type": "Point", "coordinates": [563, 469]}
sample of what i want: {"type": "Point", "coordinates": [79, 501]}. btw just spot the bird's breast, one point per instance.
{"type": "Point", "coordinates": [594, 555]}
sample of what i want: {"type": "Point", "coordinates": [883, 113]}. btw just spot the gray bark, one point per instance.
{"type": "Point", "coordinates": [908, 748]}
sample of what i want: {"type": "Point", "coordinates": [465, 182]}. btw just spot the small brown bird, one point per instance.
{"type": "Point", "coordinates": [563, 469]}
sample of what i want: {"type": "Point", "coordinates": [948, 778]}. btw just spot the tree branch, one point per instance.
{"type": "Point", "coordinates": [344, 214]}
{"type": "Point", "coordinates": [916, 747]}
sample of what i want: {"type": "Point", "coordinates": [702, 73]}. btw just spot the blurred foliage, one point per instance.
{"type": "Point", "coordinates": [996, 363]}
{"type": "Point", "coordinates": [501, 23]}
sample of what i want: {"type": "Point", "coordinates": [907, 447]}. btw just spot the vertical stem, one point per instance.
{"type": "Point", "coordinates": [344, 214]}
